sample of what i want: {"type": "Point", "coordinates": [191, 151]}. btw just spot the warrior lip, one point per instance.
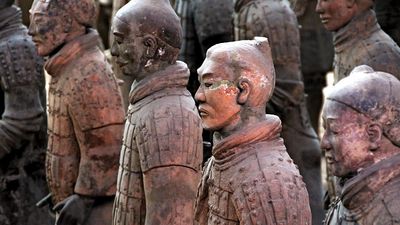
{"type": "Point", "coordinates": [324, 19]}
{"type": "Point", "coordinates": [202, 111]}
{"type": "Point", "coordinates": [120, 64]}
{"type": "Point", "coordinates": [36, 41]}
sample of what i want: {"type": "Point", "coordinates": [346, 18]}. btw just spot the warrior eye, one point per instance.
{"type": "Point", "coordinates": [207, 84]}
{"type": "Point", "coordinates": [334, 132]}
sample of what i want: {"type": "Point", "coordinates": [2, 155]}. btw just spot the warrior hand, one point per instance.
{"type": "Point", "coordinates": [73, 210]}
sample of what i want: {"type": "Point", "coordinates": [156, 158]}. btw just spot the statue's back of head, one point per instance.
{"type": "Point", "coordinates": [157, 18]}
{"type": "Point", "coordinates": [374, 94]}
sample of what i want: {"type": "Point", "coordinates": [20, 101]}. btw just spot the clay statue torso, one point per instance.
{"type": "Point", "coordinates": [85, 123]}
{"type": "Point", "coordinates": [162, 130]}
{"type": "Point", "coordinates": [362, 42]}
{"type": "Point", "coordinates": [269, 181]}
{"type": "Point", "coordinates": [22, 126]}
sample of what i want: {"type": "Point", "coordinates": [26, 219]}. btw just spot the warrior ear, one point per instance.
{"type": "Point", "coordinates": [245, 87]}
{"type": "Point", "coordinates": [374, 131]}
{"type": "Point", "coordinates": [150, 44]}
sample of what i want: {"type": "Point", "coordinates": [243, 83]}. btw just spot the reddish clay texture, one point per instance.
{"type": "Point", "coordinates": [23, 124]}
{"type": "Point", "coordinates": [275, 20]}
{"type": "Point", "coordinates": [250, 179]}
{"type": "Point", "coordinates": [162, 146]}
{"type": "Point", "coordinates": [358, 38]}
{"type": "Point", "coordinates": [86, 115]}
{"type": "Point", "coordinates": [362, 142]}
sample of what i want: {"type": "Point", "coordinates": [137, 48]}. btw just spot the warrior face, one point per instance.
{"type": "Point", "coordinates": [218, 93]}
{"type": "Point", "coordinates": [335, 14]}
{"type": "Point", "coordinates": [49, 30]}
{"type": "Point", "coordinates": [128, 47]}
{"type": "Point", "coordinates": [346, 140]}
{"type": "Point", "coordinates": [236, 81]}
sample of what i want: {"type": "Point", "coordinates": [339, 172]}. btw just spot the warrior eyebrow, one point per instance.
{"type": "Point", "coordinates": [205, 76]}
{"type": "Point", "coordinates": [117, 33]}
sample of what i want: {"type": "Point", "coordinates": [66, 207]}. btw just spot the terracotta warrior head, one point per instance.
{"type": "Point", "coordinates": [236, 81]}
{"type": "Point", "coordinates": [55, 22]}
{"type": "Point", "coordinates": [362, 120]}
{"type": "Point", "coordinates": [335, 14]}
{"type": "Point", "coordinates": [6, 3]}
{"type": "Point", "coordinates": [148, 36]}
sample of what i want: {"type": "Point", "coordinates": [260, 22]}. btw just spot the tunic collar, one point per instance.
{"type": "Point", "coordinates": [71, 51]}
{"type": "Point", "coordinates": [10, 18]}
{"type": "Point", "coordinates": [360, 27]}
{"type": "Point", "coordinates": [266, 130]}
{"type": "Point", "coordinates": [174, 76]}
{"type": "Point", "coordinates": [360, 190]}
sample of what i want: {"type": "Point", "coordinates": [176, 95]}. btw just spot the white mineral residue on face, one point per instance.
{"type": "Point", "coordinates": [263, 81]}
{"type": "Point", "coordinates": [148, 63]}
{"type": "Point", "coordinates": [161, 51]}
{"type": "Point", "coordinates": [225, 85]}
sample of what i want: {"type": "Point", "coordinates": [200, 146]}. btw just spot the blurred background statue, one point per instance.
{"type": "Point", "coordinates": [23, 137]}
{"type": "Point", "coordinates": [85, 109]}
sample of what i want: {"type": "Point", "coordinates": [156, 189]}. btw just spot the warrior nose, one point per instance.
{"type": "Point", "coordinates": [199, 96]}
{"type": "Point", "coordinates": [325, 145]}
{"type": "Point", "coordinates": [318, 7]}
{"type": "Point", "coordinates": [114, 49]}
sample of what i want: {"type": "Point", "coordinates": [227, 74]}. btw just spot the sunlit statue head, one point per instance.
{"type": "Point", "coordinates": [236, 81]}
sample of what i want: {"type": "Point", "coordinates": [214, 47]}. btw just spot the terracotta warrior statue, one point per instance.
{"type": "Point", "coordinates": [162, 146]}
{"type": "Point", "coordinates": [276, 20]}
{"type": "Point", "coordinates": [358, 38]}
{"type": "Point", "coordinates": [23, 136]}
{"type": "Point", "coordinates": [362, 143]}
{"type": "Point", "coordinates": [388, 14]}
{"type": "Point", "coordinates": [250, 179]}
{"type": "Point", "coordinates": [86, 115]}
{"type": "Point", "coordinates": [316, 50]}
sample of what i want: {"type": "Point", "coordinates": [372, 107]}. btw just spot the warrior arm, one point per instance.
{"type": "Point", "coordinates": [22, 117]}
{"type": "Point", "coordinates": [170, 192]}
{"type": "Point", "coordinates": [97, 115]}
{"type": "Point", "coordinates": [170, 156]}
